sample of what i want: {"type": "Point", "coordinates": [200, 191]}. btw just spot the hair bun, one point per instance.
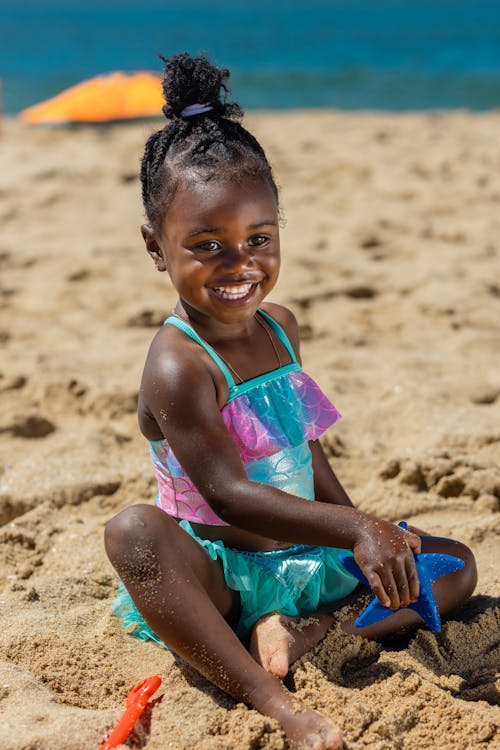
{"type": "Point", "coordinates": [194, 80]}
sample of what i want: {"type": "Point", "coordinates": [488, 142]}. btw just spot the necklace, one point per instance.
{"type": "Point", "coordinates": [269, 335]}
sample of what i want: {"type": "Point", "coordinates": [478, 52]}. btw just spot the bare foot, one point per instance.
{"type": "Point", "coordinates": [304, 728]}
{"type": "Point", "coordinates": [278, 640]}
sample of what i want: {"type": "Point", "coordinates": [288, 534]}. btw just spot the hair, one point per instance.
{"type": "Point", "coordinates": [212, 144]}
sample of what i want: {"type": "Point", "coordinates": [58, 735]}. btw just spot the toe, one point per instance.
{"type": "Point", "coordinates": [315, 742]}
{"type": "Point", "coordinates": [333, 739]}
{"type": "Point", "coordinates": [278, 665]}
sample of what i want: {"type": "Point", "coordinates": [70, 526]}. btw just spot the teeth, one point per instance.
{"type": "Point", "coordinates": [233, 292]}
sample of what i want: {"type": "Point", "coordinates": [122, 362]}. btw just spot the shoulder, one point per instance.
{"type": "Point", "coordinates": [176, 362]}
{"type": "Point", "coordinates": [176, 375]}
{"type": "Point", "coordinates": [287, 321]}
{"type": "Point", "coordinates": [169, 350]}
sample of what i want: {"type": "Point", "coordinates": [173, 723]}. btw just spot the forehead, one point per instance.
{"type": "Point", "coordinates": [199, 201]}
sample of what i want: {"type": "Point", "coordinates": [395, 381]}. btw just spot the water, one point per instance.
{"type": "Point", "coordinates": [349, 54]}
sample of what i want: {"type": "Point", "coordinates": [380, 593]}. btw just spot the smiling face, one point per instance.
{"type": "Point", "coordinates": [219, 241]}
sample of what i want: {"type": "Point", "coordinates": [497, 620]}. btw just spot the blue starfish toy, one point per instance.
{"type": "Point", "coordinates": [429, 567]}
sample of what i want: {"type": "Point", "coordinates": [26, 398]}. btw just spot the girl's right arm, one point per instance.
{"type": "Point", "coordinates": [181, 394]}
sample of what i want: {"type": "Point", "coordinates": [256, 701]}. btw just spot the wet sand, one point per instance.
{"type": "Point", "coordinates": [391, 261]}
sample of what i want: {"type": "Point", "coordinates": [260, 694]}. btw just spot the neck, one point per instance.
{"type": "Point", "coordinates": [211, 330]}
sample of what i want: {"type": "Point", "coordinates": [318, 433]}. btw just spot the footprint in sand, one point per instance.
{"type": "Point", "coordinates": [114, 405]}
{"type": "Point", "coordinates": [8, 292]}
{"type": "Point", "coordinates": [14, 382]}
{"type": "Point", "coordinates": [360, 291]}
{"type": "Point", "coordinates": [356, 291]}
{"type": "Point", "coordinates": [334, 446]}
{"type": "Point", "coordinates": [306, 332]}
{"type": "Point", "coordinates": [493, 289]}
{"type": "Point", "coordinates": [81, 275]}
{"type": "Point", "coordinates": [146, 319]}
{"type": "Point", "coordinates": [30, 426]}
{"type": "Point", "coordinates": [370, 241]}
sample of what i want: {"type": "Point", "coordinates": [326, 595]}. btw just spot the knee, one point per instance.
{"type": "Point", "coordinates": [469, 571]}
{"type": "Point", "coordinates": [468, 574]}
{"type": "Point", "coordinates": [130, 532]}
{"type": "Point", "coordinates": [464, 580]}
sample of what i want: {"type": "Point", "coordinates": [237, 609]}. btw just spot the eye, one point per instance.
{"type": "Point", "coordinates": [258, 239]}
{"type": "Point", "coordinates": [210, 246]}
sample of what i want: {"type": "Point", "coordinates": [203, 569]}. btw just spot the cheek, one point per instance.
{"type": "Point", "coordinates": [272, 269]}
{"type": "Point", "coordinates": [186, 272]}
{"type": "Point", "coordinates": [274, 263]}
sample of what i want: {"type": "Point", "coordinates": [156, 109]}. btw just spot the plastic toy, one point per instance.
{"type": "Point", "coordinates": [136, 703]}
{"type": "Point", "coordinates": [429, 567]}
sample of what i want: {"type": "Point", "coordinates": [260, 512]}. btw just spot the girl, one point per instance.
{"type": "Point", "coordinates": [250, 518]}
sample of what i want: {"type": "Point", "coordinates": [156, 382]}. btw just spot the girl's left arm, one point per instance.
{"type": "Point", "coordinates": [326, 484]}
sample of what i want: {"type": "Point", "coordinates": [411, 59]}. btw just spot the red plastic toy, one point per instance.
{"type": "Point", "coordinates": [136, 703]}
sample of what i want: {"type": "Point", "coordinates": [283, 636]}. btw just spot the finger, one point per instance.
{"type": "Point", "coordinates": [412, 577]}
{"type": "Point", "coordinates": [414, 542]}
{"type": "Point", "coordinates": [417, 531]}
{"type": "Point", "coordinates": [377, 588]}
{"type": "Point", "coordinates": [401, 580]}
{"type": "Point", "coordinates": [390, 588]}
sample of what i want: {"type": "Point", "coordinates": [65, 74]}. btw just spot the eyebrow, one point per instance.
{"type": "Point", "coordinates": [204, 230]}
{"type": "Point", "coordinates": [214, 230]}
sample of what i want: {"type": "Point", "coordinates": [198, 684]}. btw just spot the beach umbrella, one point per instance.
{"type": "Point", "coordinates": [116, 96]}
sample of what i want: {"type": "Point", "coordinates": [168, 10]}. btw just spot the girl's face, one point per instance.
{"type": "Point", "coordinates": [219, 241]}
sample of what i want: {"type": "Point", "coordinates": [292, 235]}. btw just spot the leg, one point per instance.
{"type": "Point", "coordinates": [277, 640]}
{"type": "Point", "coordinates": [182, 595]}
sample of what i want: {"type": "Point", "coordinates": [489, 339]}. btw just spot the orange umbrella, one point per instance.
{"type": "Point", "coordinates": [116, 96]}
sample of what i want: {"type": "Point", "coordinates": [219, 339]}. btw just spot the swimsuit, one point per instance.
{"type": "Point", "coordinates": [271, 418]}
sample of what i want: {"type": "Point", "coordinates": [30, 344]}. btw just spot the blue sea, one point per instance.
{"type": "Point", "coordinates": [348, 54]}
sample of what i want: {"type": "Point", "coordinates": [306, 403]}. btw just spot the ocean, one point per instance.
{"type": "Point", "coordinates": [349, 54]}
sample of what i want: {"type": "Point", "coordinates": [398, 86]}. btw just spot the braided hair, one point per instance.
{"type": "Point", "coordinates": [212, 142]}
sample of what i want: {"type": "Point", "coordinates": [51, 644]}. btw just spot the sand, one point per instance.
{"type": "Point", "coordinates": [391, 260]}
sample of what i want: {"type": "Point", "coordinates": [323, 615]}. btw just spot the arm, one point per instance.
{"type": "Point", "coordinates": [326, 485]}
{"type": "Point", "coordinates": [181, 395]}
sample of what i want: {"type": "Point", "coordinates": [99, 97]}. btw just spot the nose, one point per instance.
{"type": "Point", "coordinates": [237, 257]}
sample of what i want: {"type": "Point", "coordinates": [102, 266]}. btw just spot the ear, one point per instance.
{"type": "Point", "coordinates": [153, 247]}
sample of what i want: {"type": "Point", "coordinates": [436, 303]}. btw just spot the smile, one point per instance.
{"type": "Point", "coordinates": [234, 293]}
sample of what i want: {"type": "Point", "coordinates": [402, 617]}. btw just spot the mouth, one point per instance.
{"type": "Point", "coordinates": [235, 293]}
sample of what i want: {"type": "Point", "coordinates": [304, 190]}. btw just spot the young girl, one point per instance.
{"type": "Point", "coordinates": [250, 518]}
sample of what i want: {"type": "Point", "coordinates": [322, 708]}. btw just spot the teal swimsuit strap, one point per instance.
{"type": "Point", "coordinates": [189, 331]}
{"type": "Point", "coordinates": [280, 333]}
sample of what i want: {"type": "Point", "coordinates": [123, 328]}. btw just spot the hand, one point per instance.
{"type": "Point", "coordinates": [416, 530]}
{"type": "Point", "coordinates": [385, 554]}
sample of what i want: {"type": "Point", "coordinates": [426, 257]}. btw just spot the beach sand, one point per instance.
{"type": "Point", "coordinates": [391, 261]}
